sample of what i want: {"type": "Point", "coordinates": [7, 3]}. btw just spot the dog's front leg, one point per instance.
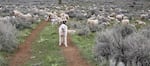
{"type": "Point", "coordinates": [65, 40]}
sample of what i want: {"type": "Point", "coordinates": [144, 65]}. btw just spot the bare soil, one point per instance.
{"type": "Point", "coordinates": [72, 55]}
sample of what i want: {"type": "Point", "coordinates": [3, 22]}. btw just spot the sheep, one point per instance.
{"type": "Point", "coordinates": [27, 16]}
{"type": "Point", "coordinates": [57, 18]}
{"type": "Point", "coordinates": [64, 16]}
{"type": "Point", "coordinates": [120, 64]}
{"type": "Point", "coordinates": [140, 22]}
{"type": "Point", "coordinates": [143, 16]}
{"type": "Point", "coordinates": [1, 8]}
{"type": "Point", "coordinates": [63, 29]}
{"type": "Point", "coordinates": [53, 18]}
{"type": "Point", "coordinates": [112, 62]}
{"type": "Point", "coordinates": [111, 18]}
{"type": "Point", "coordinates": [71, 31]}
{"type": "Point", "coordinates": [92, 21]}
{"type": "Point", "coordinates": [4, 18]}
{"type": "Point", "coordinates": [125, 20]}
{"type": "Point", "coordinates": [17, 13]}
{"type": "Point", "coordinates": [148, 11]}
{"type": "Point", "coordinates": [113, 14]}
{"type": "Point", "coordinates": [120, 17]}
{"type": "Point", "coordinates": [40, 12]}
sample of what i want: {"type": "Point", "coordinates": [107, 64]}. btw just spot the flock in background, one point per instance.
{"type": "Point", "coordinates": [122, 34]}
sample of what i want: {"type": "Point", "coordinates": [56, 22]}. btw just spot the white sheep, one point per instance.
{"type": "Point", "coordinates": [71, 31]}
{"type": "Point", "coordinates": [140, 22]}
{"type": "Point", "coordinates": [64, 16]}
{"type": "Point", "coordinates": [27, 16]}
{"type": "Point", "coordinates": [92, 21]}
{"type": "Point", "coordinates": [120, 17]}
{"type": "Point", "coordinates": [143, 16]}
{"type": "Point", "coordinates": [112, 62]}
{"type": "Point", "coordinates": [53, 18]}
{"type": "Point", "coordinates": [63, 29]}
{"type": "Point", "coordinates": [17, 13]}
{"type": "Point", "coordinates": [125, 20]}
{"type": "Point", "coordinates": [57, 18]}
{"type": "Point", "coordinates": [148, 11]}
{"type": "Point", "coordinates": [120, 64]}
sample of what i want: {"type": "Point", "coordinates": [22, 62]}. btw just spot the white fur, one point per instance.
{"type": "Point", "coordinates": [17, 13]}
{"type": "Point", "coordinates": [140, 22]}
{"type": "Point", "coordinates": [27, 16]}
{"type": "Point", "coordinates": [92, 21]}
{"type": "Point", "coordinates": [143, 16]}
{"type": "Point", "coordinates": [64, 16]}
{"type": "Point", "coordinates": [55, 19]}
{"type": "Point", "coordinates": [120, 17]}
{"type": "Point", "coordinates": [125, 21]}
{"type": "Point", "coordinates": [112, 62]}
{"type": "Point", "coordinates": [121, 64]}
{"type": "Point", "coordinates": [63, 35]}
{"type": "Point", "coordinates": [71, 31]}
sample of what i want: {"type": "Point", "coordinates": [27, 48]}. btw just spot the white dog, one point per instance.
{"type": "Point", "coordinates": [63, 34]}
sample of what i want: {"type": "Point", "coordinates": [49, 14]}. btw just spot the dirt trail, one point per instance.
{"type": "Point", "coordinates": [72, 55]}
{"type": "Point", "coordinates": [24, 52]}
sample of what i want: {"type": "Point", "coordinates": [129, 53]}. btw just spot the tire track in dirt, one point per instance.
{"type": "Point", "coordinates": [24, 52]}
{"type": "Point", "coordinates": [72, 55]}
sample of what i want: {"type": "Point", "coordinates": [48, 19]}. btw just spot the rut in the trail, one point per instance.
{"type": "Point", "coordinates": [72, 55]}
{"type": "Point", "coordinates": [24, 52]}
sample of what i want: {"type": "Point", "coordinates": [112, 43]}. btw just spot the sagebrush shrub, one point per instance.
{"type": "Point", "coordinates": [123, 44]}
{"type": "Point", "coordinates": [146, 32]}
{"type": "Point", "coordinates": [74, 25]}
{"type": "Point", "coordinates": [77, 14]}
{"type": "Point", "coordinates": [18, 22]}
{"type": "Point", "coordinates": [3, 62]}
{"type": "Point", "coordinates": [7, 37]}
{"type": "Point", "coordinates": [84, 30]}
{"type": "Point", "coordinates": [138, 49]}
{"type": "Point", "coordinates": [22, 23]}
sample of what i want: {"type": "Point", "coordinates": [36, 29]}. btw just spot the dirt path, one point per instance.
{"type": "Point", "coordinates": [72, 55]}
{"type": "Point", "coordinates": [24, 52]}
